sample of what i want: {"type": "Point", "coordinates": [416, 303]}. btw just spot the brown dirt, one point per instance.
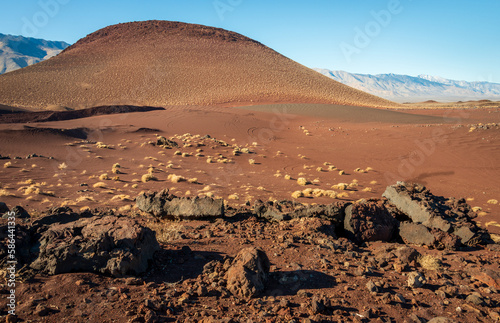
{"type": "Point", "coordinates": [307, 264]}
{"type": "Point", "coordinates": [160, 63]}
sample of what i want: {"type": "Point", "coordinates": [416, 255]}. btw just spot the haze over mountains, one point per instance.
{"type": "Point", "coordinates": [405, 88]}
{"type": "Point", "coordinates": [17, 52]}
{"type": "Point", "coordinates": [162, 63]}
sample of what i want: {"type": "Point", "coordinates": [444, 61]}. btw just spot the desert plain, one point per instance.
{"type": "Point", "coordinates": [208, 114]}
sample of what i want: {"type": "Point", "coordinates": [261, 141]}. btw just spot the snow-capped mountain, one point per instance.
{"type": "Point", "coordinates": [405, 88]}
{"type": "Point", "coordinates": [18, 51]}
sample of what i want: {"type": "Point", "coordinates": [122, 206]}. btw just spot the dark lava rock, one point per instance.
{"type": "Point", "coordinates": [248, 274]}
{"type": "Point", "coordinates": [286, 210]}
{"type": "Point", "coordinates": [413, 233]}
{"type": "Point", "coordinates": [369, 220]}
{"type": "Point", "coordinates": [108, 245]}
{"type": "Point", "coordinates": [165, 143]}
{"type": "Point", "coordinates": [163, 204]}
{"type": "Point", "coordinates": [19, 213]}
{"type": "Point", "coordinates": [448, 215]}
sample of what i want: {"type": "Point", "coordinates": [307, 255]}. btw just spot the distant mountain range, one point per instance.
{"type": "Point", "coordinates": [405, 88]}
{"type": "Point", "coordinates": [17, 51]}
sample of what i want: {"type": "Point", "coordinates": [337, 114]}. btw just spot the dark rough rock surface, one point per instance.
{"type": "Point", "coordinates": [286, 210]}
{"type": "Point", "coordinates": [20, 213]}
{"type": "Point", "coordinates": [413, 233]}
{"type": "Point", "coordinates": [449, 215]}
{"type": "Point", "coordinates": [369, 220]}
{"type": "Point", "coordinates": [108, 245]}
{"type": "Point", "coordinates": [165, 143]}
{"type": "Point", "coordinates": [249, 273]}
{"type": "Point", "coordinates": [164, 204]}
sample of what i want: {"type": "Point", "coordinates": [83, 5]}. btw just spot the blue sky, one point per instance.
{"type": "Point", "coordinates": [456, 39]}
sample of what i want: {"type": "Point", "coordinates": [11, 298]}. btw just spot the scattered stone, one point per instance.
{"type": "Point", "coordinates": [488, 276]}
{"type": "Point", "coordinates": [371, 287]}
{"type": "Point", "coordinates": [406, 255]}
{"type": "Point", "coordinates": [163, 204]}
{"type": "Point", "coordinates": [369, 220]}
{"type": "Point", "coordinates": [416, 280]}
{"type": "Point", "coordinates": [108, 245]}
{"type": "Point", "coordinates": [440, 319]}
{"type": "Point", "coordinates": [475, 299]}
{"type": "Point", "coordinates": [249, 273]}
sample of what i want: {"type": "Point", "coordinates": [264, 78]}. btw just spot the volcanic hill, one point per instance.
{"type": "Point", "coordinates": [162, 63]}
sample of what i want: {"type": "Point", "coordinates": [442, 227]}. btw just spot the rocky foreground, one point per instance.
{"type": "Point", "coordinates": [408, 257]}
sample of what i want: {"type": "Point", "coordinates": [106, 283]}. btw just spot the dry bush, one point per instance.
{"type": "Point", "coordinates": [302, 181]}
{"type": "Point", "coordinates": [101, 145]}
{"type": "Point", "coordinates": [288, 177]}
{"type": "Point", "coordinates": [319, 169]}
{"type": "Point", "coordinates": [148, 177]}
{"type": "Point", "coordinates": [209, 160]}
{"type": "Point", "coordinates": [367, 189]}
{"type": "Point", "coordinates": [193, 180]}
{"type": "Point", "coordinates": [177, 153]}
{"type": "Point", "coordinates": [84, 198]}
{"type": "Point", "coordinates": [341, 172]}
{"type": "Point", "coordinates": [175, 178]}
{"type": "Point", "coordinates": [104, 177]}
{"type": "Point", "coordinates": [251, 161]}
{"type": "Point", "coordinates": [99, 185]}
{"type": "Point", "coordinates": [373, 182]}
{"type": "Point", "coordinates": [297, 194]}
{"type": "Point", "coordinates": [135, 185]}
{"type": "Point", "coordinates": [429, 262]}
{"type": "Point", "coordinates": [233, 197]}
{"type": "Point", "coordinates": [4, 192]}
{"type": "Point", "coordinates": [340, 186]}
{"type": "Point", "coordinates": [62, 166]}
{"type": "Point", "coordinates": [492, 201]}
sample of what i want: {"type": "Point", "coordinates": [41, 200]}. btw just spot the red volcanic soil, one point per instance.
{"type": "Point", "coordinates": [160, 63]}
{"type": "Point", "coordinates": [452, 152]}
{"type": "Point", "coordinates": [432, 147]}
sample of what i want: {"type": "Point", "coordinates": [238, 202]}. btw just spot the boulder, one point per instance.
{"type": "Point", "coordinates": [287, 210]}
{"type": "Point", "coordinates": [108, 245]}
{"type": "Point", "coordinates": [248, 274]}
{"type": "Point", "coordinates": [19, 213]}
{"type": "Point", "coordinates": [406, 255]}
{"type": "Point", "coordinates": [413, 233]}
{"type": "Point", "coordinates": [369, 220]}
{"type": "Point", "coordinates": [164, 204]}
{"type": "Point", "coordinates": [448, 215]}
{"type": "Point", "coordinates": [3, 208]}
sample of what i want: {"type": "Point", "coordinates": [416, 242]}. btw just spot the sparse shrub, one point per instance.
{"type": "Point", "coordinates": [297, 194]}
{"type": "Point", "coordinates": [429, 262]}
{"type": "Point", "coordinates": [319, 169]}
{"type": "Point", "coordinates": [178, 152]}
{"type": "Point", "coordinates": [209, 160]}
{"type": "Point", "coordinates": [331, 167]}
{"type": "Point", "coordinates": [185, 155]}
{"type": "Point", "coordinates": [368, 169]}
{"type": "Point", "coordinates": [477, 209]}
{"type": "Point", "coordinates": [302, 181]}
{"type": "Point", "coordinates": [148, 177]}
{"type": "Point", "coordinates": [4, 192]}
{"type": "Point", "coordinates": [175, 178]}
{"type": "Point", "coordinates": [104, 177]}
{"type": "Point", "coordinates": [62, 166]}
{"type": "Point", "coordinates": [99, 185]}
{"type": "Point", "coordinates": [193, 180]}
{"type": "Point", "coordinates": [116, 178]}
{"type": "Point", "coordinates": [341, 172]}
{"type": "Point", "coordinates": [288, 177]}
{"type": "Point", "coordinates": [251, 161]}
{"type": "Point", "coordinates": [367, 189]}
{"type": "Point", "coordinates": [261, 188]}
{"type": "Point", "coordinates": [101, 145]}
{"type": "Point", "coordinates": [340, 186]}
{"type": "Point", "coordinates": [359, 170]}
{"type": "Point", "coordinates": [342, 195]}
{"type": "Point", "coordinates": [135, 185]}
{"type": "Point", "coordinates": [233, 197]}
{"type": "Point", "coordinates": [492, 201]}
{"type": "Point", "coordinates": [373, 182]}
